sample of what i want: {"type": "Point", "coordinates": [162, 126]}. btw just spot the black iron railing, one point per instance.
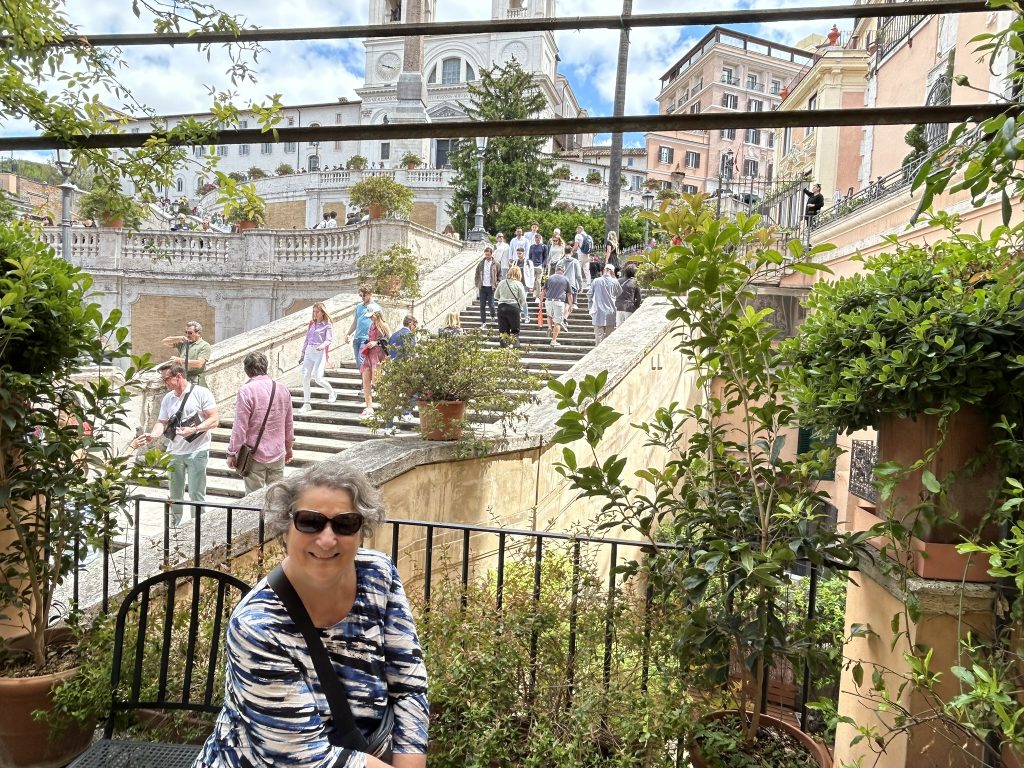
{"type": "Point", "coordinates": [882, 188]}
{"type": "Point", "coordinates": [863, 457]}
{"type": "Point", "coordinates": [431, 555]}
{"type": "Point", "coordinates": [894, 31]}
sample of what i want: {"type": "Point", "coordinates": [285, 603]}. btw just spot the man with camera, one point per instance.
{"type": "Point", "coordinates": [187, 414]}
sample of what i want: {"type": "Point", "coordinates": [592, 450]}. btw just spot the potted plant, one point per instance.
{"type": "Point", "coordinates": [561, 172]}
{"type": "Point", "coordinates": [382, 196]}
{"type": "Point", "coordinates": [284, 169]}
{"type": "Point", "coordinates": [108, 205]}
{"type": "Point", "coordinates": [924, 345]}
{"type": "Point", "coordinates": [411, 160]}
{"type": "Point", "coordinates": [61, 474]}
{"type": "Point", "coordinates": [356, 163]}
{"type": "Point", "coordinates": [738, 510]}
{"type": "Point", "coordinates": [393, 272]}
{"type": "Point", "coordinates": [450, 376]}
{"type": "Point", "coordinates": [257, 173]}
{"type": "Point", "coordinates": [593, 177]}
{"type": "Point", "coordinates": [242, 206]}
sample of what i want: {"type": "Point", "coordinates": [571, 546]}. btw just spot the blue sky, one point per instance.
{"type": "Point", "coordinates": [176, 80]}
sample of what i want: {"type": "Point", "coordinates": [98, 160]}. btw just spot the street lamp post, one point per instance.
{"type": "Point", "coordinates": [724, 172]}
{"type": "Point", "coordinates": [648, 198]}
{"type": "Point", "coordinates": [66, 189]}
{"type": "Point", "coordinates": [477, 233]}
{"type": "Point", "coordinates": [465, 218]}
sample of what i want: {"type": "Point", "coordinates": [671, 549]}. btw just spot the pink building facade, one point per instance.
{"type": "Point", "coordinates": [726, 71]}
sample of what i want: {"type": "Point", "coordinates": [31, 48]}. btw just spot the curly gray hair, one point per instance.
{"type": "Point", "coordinates": [279, 502]}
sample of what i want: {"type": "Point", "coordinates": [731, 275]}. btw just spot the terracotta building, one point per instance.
{"type": "Point", "coordinates": [726, 71]}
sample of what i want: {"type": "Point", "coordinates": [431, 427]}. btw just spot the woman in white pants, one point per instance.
{"type": "Point", "coordinates": [319, 337]}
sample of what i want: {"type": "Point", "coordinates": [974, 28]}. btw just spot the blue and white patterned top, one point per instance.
{"type": "Point", "coordinates": [274, 708]}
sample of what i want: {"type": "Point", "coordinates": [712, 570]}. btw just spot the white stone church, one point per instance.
{"type": "Point", "coordinates": [406, 79]}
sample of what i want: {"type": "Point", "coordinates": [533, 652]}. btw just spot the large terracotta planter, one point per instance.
{"type": "Point", "coordinates": [107, 220]}
{"type": "Point", "coordinates": [376, 211]}
{"type": "Point", "coordinates": [244, 226]}
{"type": "Point", "coordinates": [442, 419]}
{"type": "Point", "coordinates": [24, 741]}
{"type": "Point", "coordinates": [970, 434]}
{"type": "Point", "coordinates": [818, 751]}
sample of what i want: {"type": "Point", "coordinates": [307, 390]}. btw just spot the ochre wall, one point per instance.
{"type": "Point", "coordinates": [156, 317]}
{"type": "Point", "coordinates": [289, 215]}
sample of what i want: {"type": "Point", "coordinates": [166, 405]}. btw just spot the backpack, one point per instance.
{"type": "Point", "coordinates": [588, 244]}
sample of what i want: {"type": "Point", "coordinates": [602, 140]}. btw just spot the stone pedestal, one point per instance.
{"type": "Point", "coordinates": [948, 611]}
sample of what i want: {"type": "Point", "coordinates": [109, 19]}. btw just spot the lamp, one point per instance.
{"type": "Point", "coordinates": [316, 153]}
{"type": "Point", "coordinates": [66, 167]}
{"type": "Point", "coordinates": [477, 233]}
{"type": "Point", "coordinates": [648, 198]}
{"type": "Point", "coordinates": [465, 211]}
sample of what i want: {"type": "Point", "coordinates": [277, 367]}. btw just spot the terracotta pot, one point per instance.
{"type": "Point", "coordinates": [391, 287]}
{"type": "Point", "coordinates": [246, 225]}
{"type": "Point", "coordinates": [376, 211]}
{"type": "Point", "coordinates": [970, 434]}
{"type": "Point", "coordinates": [441, 419]}
{"type": "Point", "coordinates": [106, 220]}
{"type": "Point", "coordinates": [24, 741]}
{"type": "Point", "coordinates": [818, 751]}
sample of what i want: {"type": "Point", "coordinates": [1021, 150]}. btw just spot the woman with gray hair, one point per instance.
{"type": "Point", "coordinates": [277, 709]}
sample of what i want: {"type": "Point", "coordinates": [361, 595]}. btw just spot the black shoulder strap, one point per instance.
{"type": "Point", "coordinates": [344, 724]}
{"type": "Point", "coordinates": [181, 408]}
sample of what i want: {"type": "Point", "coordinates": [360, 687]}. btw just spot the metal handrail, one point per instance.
{"type": "Point", "coordinates": [880, 189]}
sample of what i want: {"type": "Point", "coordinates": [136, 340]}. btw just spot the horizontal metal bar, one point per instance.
{"type": "Point", "coordinates": [949, 113]}
{"type": "Point", "coordinates": [401, 29]}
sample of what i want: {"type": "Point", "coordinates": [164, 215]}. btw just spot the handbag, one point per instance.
{"type": "Point", "coordinates": [344, 732]}
{"type": "Point", "coordinates": [246, 455]}
{"type": "Point", "coordinates": [171, 427]}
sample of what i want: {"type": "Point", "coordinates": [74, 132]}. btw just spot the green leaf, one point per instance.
{"type": "Point", "coordinates": [929, 481]}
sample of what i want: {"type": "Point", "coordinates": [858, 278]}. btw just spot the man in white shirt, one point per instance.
{"type": "Point", "coordinates": [519, 241]}
{"type": "Point", "coordinates": [332, 220]}
{"type": "Point", "coordinates": [194, 413]}
{"type": "Point", "coordinates": [503, 254]}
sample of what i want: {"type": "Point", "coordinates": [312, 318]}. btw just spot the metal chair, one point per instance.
{"type": "Point", "coordinates": [193, 600]}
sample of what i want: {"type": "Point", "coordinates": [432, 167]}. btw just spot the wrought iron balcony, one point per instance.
{"type": "Point", "coordinates": [863, 457]}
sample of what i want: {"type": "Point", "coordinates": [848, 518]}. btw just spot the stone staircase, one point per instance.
{"type": "Point", "coordinates": [333, 427]}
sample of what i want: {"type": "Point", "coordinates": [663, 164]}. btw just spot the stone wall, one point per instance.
{"type": "Point", "coordinates": [232, 284]}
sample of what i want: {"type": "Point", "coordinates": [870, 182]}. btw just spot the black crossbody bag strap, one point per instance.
{"type": "Point", "coordinates": [259, 437]}
{"type": "Point", "coordinates": [349, 736]}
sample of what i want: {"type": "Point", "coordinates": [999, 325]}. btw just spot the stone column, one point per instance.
{"type": "Point", "coordinates": [412, 94]}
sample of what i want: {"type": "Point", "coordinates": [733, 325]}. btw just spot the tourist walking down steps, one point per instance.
{"type": "Point", "coordinates": [313, 357]}
{"type": "Point", "coordinates": [603, 292]}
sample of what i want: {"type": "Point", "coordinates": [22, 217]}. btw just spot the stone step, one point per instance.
{"type": "Point", "coordinates": [332, 427]}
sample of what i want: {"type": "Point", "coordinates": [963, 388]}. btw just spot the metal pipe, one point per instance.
{"type": "Point", "coordinates": [911, 115]}
{"type": "Point", "coordinates": [694, 18]}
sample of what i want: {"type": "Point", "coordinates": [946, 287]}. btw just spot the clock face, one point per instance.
{"type": "Point", "coordinates": [516, 51]}
{"type": "Point", "coordinates": [388, 66]}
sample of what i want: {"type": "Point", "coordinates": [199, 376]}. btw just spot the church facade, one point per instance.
{"type": "Point", "coordinates": [407, 79]}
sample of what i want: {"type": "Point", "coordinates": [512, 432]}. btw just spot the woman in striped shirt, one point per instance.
{"type": "Point", "coordinates": [275, 711]}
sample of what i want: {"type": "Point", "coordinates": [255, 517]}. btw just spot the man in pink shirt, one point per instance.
{"type": "Point", "coordinates": [274, 449]}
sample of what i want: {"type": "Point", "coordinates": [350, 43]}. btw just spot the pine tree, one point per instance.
{"type": "Point", "coordinates": [516, 171]}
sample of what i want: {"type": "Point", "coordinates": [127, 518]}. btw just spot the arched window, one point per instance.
{"type": "Point", "coordinates": [451, 71]}
{"type": "Point", "coordinates": [433, 74]}
{"type": "Point", "coordinates": [313, 163]}
{"type": "Point", "coordinates": [179, 185]}
{"type": "Point", "coordinates": [470, 74]}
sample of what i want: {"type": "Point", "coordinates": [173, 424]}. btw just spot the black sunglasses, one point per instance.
{"type": "Point", "coordinates": [311, 521]}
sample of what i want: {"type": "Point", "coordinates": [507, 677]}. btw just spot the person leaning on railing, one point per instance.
{"type": "Point", "coordinates": [276, 708]}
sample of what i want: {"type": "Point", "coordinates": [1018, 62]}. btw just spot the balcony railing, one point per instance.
{"type": "Point", "coordinates": [882, 188]}
{"type": "Point", "coordinates": [894, 31]}
{"type": "Point", "coordinates": [431, 556]}
{"type": "Point", "coordinates": [863, 457]}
